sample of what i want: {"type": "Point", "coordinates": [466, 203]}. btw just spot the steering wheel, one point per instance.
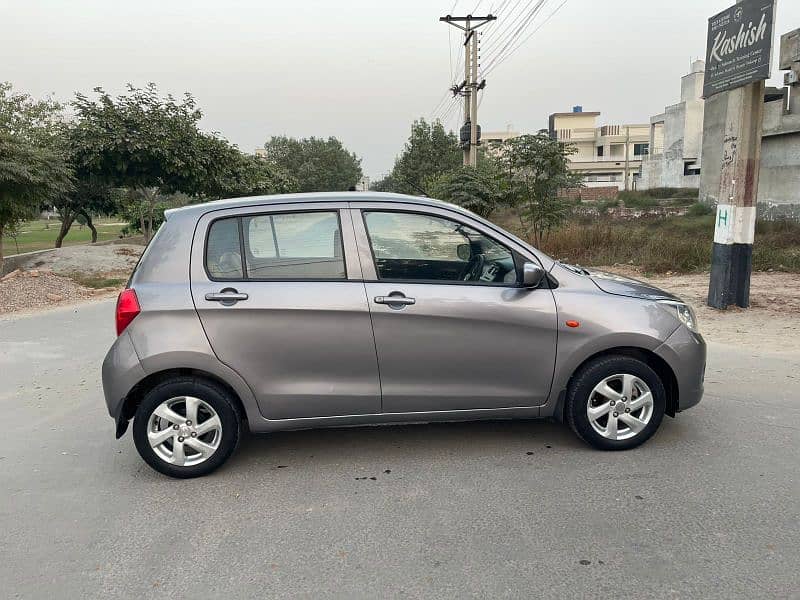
{"type": "Point", "coordinates": [474, 268]}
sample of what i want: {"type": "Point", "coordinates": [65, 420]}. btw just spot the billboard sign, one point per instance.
{"type": "Point", "coordinates": [739, 46]}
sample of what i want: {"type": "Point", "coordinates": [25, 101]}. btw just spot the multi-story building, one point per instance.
{"type": "Point", "coordinates": [607, 156]}
{"type": "Point", "coordinates": [676, 138]}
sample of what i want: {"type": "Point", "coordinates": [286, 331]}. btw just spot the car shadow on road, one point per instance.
{"type": "Point", "coordinates": [416, 442]}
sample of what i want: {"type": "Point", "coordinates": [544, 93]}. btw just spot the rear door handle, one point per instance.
{"type": "Point", "coordinates": [227, 297]}
{"type": "Point", "coordinates": [397, 300]}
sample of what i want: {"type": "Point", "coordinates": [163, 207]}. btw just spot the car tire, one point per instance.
{"type": "Point", "coordinates": [629, 420]}
{"type": "Point", "coordinates": [161, 422]}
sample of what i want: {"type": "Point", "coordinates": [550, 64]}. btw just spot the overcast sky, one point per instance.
{"type": "Point", "coordinates": [360, 70]}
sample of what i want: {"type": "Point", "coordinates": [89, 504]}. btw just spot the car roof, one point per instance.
{"type": "Point", "coordinates": [197, 210]}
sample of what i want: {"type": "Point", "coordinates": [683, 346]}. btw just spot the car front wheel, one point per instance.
{"type": "Point", "coordinates": [186, 427]}
{"type": "Point", "coordinates": [615, 402]}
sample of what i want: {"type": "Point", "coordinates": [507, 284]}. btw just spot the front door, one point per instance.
{"type": "Point", "coordinates": [279, 293]}
{"type": "Point", "coordinates": [453, 331]}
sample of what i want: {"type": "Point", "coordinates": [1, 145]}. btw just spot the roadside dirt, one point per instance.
{"type": "Point", "coordinates": [771, 324]}
{"type": "Point", "coordinates": [89, 260]}
{"type": "Point", "coordinates": [34, 290]}
{"type": "Point", "coordinates": [54, 278]}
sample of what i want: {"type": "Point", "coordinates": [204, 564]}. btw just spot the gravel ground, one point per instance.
{"type": "Point", "coordinates": [87, 260]}
{"type": "Point", "coordinates": [28, 292]}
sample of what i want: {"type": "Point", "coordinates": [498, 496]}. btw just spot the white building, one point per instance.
{"type": "Point", "coordinates": [676, 138]}
{"type": "Point", "coordinates": [608, 155]}
{"type": "Point", "coordinates": [363, 184]}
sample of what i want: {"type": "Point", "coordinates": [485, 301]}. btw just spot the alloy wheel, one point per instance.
{"type": "Point", "coordinates": [620, 407]}
{"type": "Point", "coordinates": [184, 431]}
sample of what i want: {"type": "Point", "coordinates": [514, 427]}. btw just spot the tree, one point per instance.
{"type": "Point", "coordinates": [32, 166]}
{"type": "Point", "coordinates": [145, 142]}
{"type": "Point", "coordinates": [429, 152]}
{"type": "Point", "coordinates": [535, 169]}
{"type": "Point", "coordinates": [88, 198]}
{"type": "Point", "coordinates": [318, 165]}
{"type": "Point", "coordinates": [477, 190]}
{"type": "Point", "coordinates": [238, 174]}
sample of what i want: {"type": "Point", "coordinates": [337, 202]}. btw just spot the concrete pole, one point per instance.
{"type": "Point", "coordinates": [473, 136]}
{"type": "Point", "coordinates": [468, 35]}
{"type": "Point", "coordinates": [627, 155]}
{"type": "Point", "coordinates": [735, 224]}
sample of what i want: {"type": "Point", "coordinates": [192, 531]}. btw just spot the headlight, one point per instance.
{"type": "Point", "coordinates": [684, 313]}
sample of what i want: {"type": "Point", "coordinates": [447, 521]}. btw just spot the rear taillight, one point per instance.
{"type": "Point", "coordinates": [127, 309]}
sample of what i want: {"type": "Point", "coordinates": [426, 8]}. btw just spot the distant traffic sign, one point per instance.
{"type": "Point", "coordinates": [739, 46]}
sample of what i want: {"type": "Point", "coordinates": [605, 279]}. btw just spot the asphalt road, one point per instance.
{"type": "Point", "coordinates": [710, 507]}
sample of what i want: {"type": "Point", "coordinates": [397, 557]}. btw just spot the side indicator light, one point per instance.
{"type": "Point", "coordinates": [573, 324]}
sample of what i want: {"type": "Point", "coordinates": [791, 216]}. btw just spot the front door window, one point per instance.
{"type": "Point", "coordinates": [419, 247]}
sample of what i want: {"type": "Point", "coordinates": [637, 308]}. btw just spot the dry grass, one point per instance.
{"type": "Point", "coordinates": [658, 245]}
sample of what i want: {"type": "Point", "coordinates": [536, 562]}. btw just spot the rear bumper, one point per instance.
{"type": "Point", "coordinates": [121, 371]}
{"type": "Point", "coordinates": [685, 352]}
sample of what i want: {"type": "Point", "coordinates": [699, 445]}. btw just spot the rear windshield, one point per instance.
{"type": "Point", "coordinates": [144, 252]}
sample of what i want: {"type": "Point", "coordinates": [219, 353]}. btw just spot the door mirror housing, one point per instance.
{"type": "Point", "coordinates": [532, 275]}
{"type": "Point", "coordinates": [464, 251]}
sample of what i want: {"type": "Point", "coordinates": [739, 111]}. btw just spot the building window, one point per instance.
{"type": "Point", "coordinates": [690, 168]}
{"type": "Point", "coordinates": [641, 149]}
{"type": "Point", "coordinates": [599, 151]}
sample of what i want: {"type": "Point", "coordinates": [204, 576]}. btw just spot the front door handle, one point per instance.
{"type": "Point", "coordinates": [392, 301]}
{"type": "Point", "coordinates": [228, 297]}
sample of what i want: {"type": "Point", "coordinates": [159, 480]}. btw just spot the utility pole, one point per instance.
{"type": "Point", "coordinates": [740, 74]}
{"type": "Point", "coordinates": [734, 229]}
{"type": "Point", "coordinates": [627, 155]}
{"type": "Point", "coordinates": [470, 86]}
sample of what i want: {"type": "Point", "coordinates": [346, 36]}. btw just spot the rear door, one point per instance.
{"type": "Point", "coordinates": [453, 331]}
{"type": "Point", "coordinates": [279, 293]}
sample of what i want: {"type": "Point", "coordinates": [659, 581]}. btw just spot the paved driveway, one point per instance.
{"type": "Point", "coordinates": [710, 507]}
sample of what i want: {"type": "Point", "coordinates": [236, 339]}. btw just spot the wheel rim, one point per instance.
{"type": "Point", "coordinates": [620, 407]}
{"type": "Point", "coordinates": [184, 431]}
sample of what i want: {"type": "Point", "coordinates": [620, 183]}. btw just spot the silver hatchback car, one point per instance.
{"type": "Point", "coordinates": [341, 309]}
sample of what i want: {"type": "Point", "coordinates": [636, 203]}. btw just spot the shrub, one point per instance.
{"type": "Point", "coordinates": [699, 209]}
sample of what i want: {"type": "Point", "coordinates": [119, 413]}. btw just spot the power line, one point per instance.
{"type": "Point", "coordinates": [490, 68]}
{"type": "Point", "coordinates": [508, 24]}
{"type": "Point", "coordinates": [520, 23]}
{"type": "Point", "coordinates": [527, 20]}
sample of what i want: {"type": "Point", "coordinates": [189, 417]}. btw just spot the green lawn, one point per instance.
{"type": "Point", "coordinates": [41, 234]}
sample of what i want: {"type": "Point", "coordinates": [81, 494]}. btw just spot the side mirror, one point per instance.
{"type": "Point", "coordinates": [532, 275]}
{"type": "Point", "coordinates": [464, 251]}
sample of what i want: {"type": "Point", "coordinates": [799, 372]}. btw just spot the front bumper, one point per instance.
{"type": "Point", "coordinates": [685, 352]}
{"type": "Point", "coordinates": [121, 372]}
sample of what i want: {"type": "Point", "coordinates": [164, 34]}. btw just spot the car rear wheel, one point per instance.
{"type": "Point", "coordinates": [615, 402]}
{"type": "Point", "coordinates": [186, 427]}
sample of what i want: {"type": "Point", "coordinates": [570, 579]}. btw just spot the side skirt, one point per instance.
{"type": "Point", "coordinates": [265, 425]}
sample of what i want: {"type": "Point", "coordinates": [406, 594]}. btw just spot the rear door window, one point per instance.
{"type": "Point", "coordinates": [223, 250]}
{"type": "Point", "coordinates": [294, 246]}
{"type": "Point", "coordinates": [297, 245]}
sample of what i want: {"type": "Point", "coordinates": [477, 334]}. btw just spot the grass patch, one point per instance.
{"type": "Point", "coordinates": [41, 234]}
{"type": "Point", "coordinates": [657, 245]}
{"type": "Point", "coordinates": [97, 281]}
{"type": "Point", "coordinates": [638, 200]}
